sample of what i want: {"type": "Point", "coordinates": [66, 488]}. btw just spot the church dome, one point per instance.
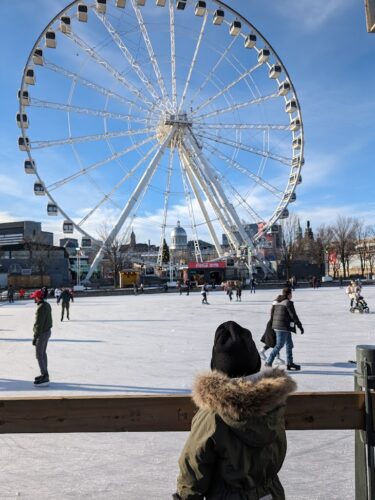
{"type": "Point", "coordinates": [178, 238]}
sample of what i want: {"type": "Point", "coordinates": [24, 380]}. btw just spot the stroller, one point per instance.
{"type": "Point", "coordinates": [359, 305]}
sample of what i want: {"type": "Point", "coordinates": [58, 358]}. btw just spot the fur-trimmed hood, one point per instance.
{"type": "Point", "coordinates": [237, 400]}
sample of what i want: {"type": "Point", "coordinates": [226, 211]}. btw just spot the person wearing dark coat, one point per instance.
{"type": "Point", "coordinates": [284, 322]}
{"type": "Point", "coordinates": [65, 298]}
{"type": "Point", "coordinates": [42, 333]}
{"type": "Point", "coordinates": [237, 442]}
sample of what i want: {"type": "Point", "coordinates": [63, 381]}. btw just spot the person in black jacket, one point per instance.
{"type": "Point", "coordinates": [284, 321]}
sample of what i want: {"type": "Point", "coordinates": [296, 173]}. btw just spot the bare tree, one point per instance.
{"type": "Point", "coordinates": [344, 232]}
{"type": "Point", "coordinates": [322, 246]}
{"type": "Point", "coordinates": [362, 233]}
{"type": "Point", "coordinates": [38, 255]}
{"type": "Point", "coordinates": [291, 245]}
{"type": "Point", "coordinates": [113, 252]}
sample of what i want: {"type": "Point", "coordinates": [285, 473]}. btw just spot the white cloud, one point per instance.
{"type": "Point", "coordinates": [312, 15]}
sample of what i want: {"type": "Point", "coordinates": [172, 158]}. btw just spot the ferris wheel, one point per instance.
{"type": "Point", "coordinates": [140, 113]}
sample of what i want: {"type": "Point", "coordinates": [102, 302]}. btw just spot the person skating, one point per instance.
{"type": "Point", "coordinates": [230, 291]}
{"type": "Point", "coordinates": [10, 294]}
{"type": "Point", "coordinates": [284, 321]}
{"type": "Point", "coordinates": [65, 298]}
{"type": "Point", "coordinates": [57, 294]}
{"type": "Point", "coordinates": [42, 333]}
{"type": "Point", "coordinates": [238, 291]}
{"type": "Point", "coordinates": [187, 284]}
{"type": "Point", "coordinates": [252, 285]}
{"type": "Point", "coordinates": [237, 443]}
{"type": "Point", "coordinates": [352, 291]}
{"type": "Point", "coordinates": [204, 292]}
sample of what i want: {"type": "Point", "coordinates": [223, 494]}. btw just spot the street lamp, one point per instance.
{"type": "Point", "coordinates": [78, 265]}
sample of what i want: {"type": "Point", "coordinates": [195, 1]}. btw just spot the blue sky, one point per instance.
{"type": "Point", "coordinates": [329, 56]}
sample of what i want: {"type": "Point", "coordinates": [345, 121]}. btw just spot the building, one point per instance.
{"type": "Point", "coordinates": [178, 238]}
{"type": "Point", "coordinates": [13, 233]}
{"type": "Point", "coordinates": [28, 258]}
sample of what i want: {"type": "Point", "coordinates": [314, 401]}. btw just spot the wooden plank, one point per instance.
{"type": "Point", "coordinates": [305, 411]}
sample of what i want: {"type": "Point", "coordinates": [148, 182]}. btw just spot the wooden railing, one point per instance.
{"type": "Point", "coordinates": [55, 414]}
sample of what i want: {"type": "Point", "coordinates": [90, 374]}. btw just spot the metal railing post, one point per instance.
{"type": "Point", "coordinates": [365, 440]}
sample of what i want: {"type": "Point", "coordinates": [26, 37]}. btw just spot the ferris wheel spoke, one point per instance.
{"type": "Point", "coordinates": [212, 71]}
{"type": "Point", "coordinates": [145, 179]}
{"type": "Point", "coordinates": [225, 205]}
{"type": "Point", "coordinates": [91, 85]}
{"type": "Point", "coordinates": [193, 61]}
{"type": "Point", "coordinates": [98, 164]}
{"type": "Point", "coordinates": [244, 147]}
{"type": "Point", "coordinates": [234, 107]}
{"type": "Point", "coordinates": [188, 198]}
{"type": "Point", "coordinates": [109, 195]}
{"type": "Point", "coordinates": [234, 164]}
{"type": "Point", "coordinates": [88, 111]}
{"type": "Point", "coordinates": [195, 176]}
{"type": "Point", "coordinates": [214, 193]}
{"type": "Point", "coordinates": [173, 53]}
{"type": "Point", "coordinates": [129, 57]}
{"type": "Point", "coordinates": [88, 138]}
{"type": "Point", "coordinates": [166, 206]}
{"type": "Point", "coordinates": [151, 52]}
{"type": "Point", "coordinates": [254, 215]}
{"type": "Point", "coordinates": [242, 126]}
{"type": "Point", "coordinates": [226, 88]}
{"type": "Point", "coordinates": [110, 69]}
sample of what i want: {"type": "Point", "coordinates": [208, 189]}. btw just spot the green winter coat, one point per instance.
{"type": "Point", "coordinates": [43, 318]}
{"type": "Point", "coordinates": [237, 443]}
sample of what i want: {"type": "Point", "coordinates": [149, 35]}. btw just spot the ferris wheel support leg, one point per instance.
{"type": "Point", "coordinates": [198, 174]}
{"type": "Point", "coordinates": [228, 206]}
{"type": "Point", "coordinates": [193, 184]}
{"type": "Point", "coordinates": [132, 200]}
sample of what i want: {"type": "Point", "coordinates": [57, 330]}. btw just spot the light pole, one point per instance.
{"type": "Point", "coordinates": [326, 262]}
{"type": "Point", "coordinates": [78, 265]}
{"type": "Point", "coordinates": [250, 262]}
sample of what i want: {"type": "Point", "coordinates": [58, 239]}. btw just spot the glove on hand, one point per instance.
{"type": "Point", "coordinates": [302, 330]}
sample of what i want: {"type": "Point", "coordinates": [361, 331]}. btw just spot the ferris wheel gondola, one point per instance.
{"type": "Point", "coordinates": [167, 111]}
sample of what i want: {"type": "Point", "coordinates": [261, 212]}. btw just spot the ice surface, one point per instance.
{"type": "Point", "coordinates": [157, 344]}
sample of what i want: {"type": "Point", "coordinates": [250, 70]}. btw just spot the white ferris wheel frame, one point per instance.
{"type": "Point", "coordinates": [197, 172]}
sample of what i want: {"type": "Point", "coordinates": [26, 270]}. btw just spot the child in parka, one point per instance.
{"type": "Point", "coordinates": [237, 442]}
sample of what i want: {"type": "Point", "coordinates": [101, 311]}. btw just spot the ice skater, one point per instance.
{"type": "Point", "coordinates": [204, 293]}
{"type": "Point", "coordinates": [42, 333]}
{"type": "Point", "coordinates": [237, 443]}
{"type": "Point", "coordinates": [65, 298]}
{"type": "Point", "coordinates": [284, 321]}
{"type": "Point", "coordinates": [10, 294]}
{"type": "Point", "coordinates": [238, 291]}
{"type": "Point", "coordinates": [229, 289]}
{"type": "Point", "coordinates": [252, 285]}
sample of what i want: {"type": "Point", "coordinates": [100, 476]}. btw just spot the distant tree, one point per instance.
{"type": "Point", "coordinates": [291, 243]}
{"type": "Point", "coordinates": [344, 235]}
{"type": "Point", "coordinates": [38, 255]}
{"type": "Point", "coordinates": [322, 246]}
{"type": "Point", "coordinates": [165, 253]}
{"type": "Point", "coordinates": [362, 236]}
{"type": "Point", "coordinates": [113, 252]}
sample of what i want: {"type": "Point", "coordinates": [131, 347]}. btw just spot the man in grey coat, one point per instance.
{"type": "Point", "coordinates": [42, 333]}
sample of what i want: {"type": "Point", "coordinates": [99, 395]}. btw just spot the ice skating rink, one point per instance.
{"type": "Point", "coordinates": [156, 344]}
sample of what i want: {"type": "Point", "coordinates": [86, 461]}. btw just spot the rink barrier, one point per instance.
{"type": "Point", "coordinates": [164, 413]}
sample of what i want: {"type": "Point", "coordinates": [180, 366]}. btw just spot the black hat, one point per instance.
{"type": "Point", "coordinates": [234, 352]}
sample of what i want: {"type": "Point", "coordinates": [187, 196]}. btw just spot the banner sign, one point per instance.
{"type": "Point", "coordinates": [207, 265]}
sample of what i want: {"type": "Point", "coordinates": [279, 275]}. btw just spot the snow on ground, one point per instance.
{"type": "Point", "coordinates": [156, 344]}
